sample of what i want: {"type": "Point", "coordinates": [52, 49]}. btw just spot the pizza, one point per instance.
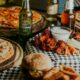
{"type": "Point", "coordinates": [9, 17]}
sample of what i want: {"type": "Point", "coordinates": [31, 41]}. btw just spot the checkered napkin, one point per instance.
{"type": "Point", "coordinates": [14, 73]}
{"type": "Point", "coordinates": [73, 60]}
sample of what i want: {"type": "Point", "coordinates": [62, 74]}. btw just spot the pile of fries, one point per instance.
{"type": "Point", "coordinates": [65, 49]}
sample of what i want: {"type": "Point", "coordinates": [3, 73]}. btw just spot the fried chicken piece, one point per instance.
{"type": "Point", "coordinates": [61, 44]}
{"type": "Point", "coordinates": [51, 43]}
{"type": "Point", "coordinates": [45, 41]}
{"type": "Point", "coordinates": [58, 50]}
{"type": "Point", "coordinates": [60, 47]}
{"type": "Point", "coordinates": [42, 38]}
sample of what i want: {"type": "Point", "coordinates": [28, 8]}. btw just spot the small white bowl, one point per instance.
{"type": "Point", "coordinates": [60, 34]}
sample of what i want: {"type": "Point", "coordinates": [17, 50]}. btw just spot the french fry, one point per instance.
{"type": "Point", "coordinates": [67, 52]}
{"type": "Point", "coordinates": [72, 49]}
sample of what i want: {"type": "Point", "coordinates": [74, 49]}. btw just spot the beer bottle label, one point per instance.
{"type": "Point", "coordinates": [52, 9]}
{"type": "Point", "coordinates": [25, 30]}
{"type": "Point", "coordinates": [26, 26]}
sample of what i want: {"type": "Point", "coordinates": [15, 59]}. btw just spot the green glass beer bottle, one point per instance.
{"type": "Point", "coordinates": [25, 21]}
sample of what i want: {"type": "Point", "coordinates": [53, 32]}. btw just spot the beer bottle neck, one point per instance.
{"type": "Point", "coordinates": [71, 4]}
{"type": "Point", "coordinates": [26, 5]}
{"type": "Point", "coordinates": [66, 5]}
{"type": "Point", "coordinates": [55, 1]}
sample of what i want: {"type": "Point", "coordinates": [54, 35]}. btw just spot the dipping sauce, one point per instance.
{"type": "Point", "coordinates": [60, 34]}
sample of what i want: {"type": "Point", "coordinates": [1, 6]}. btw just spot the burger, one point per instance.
{"type": "Point", "coordinates": [37, 64]}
